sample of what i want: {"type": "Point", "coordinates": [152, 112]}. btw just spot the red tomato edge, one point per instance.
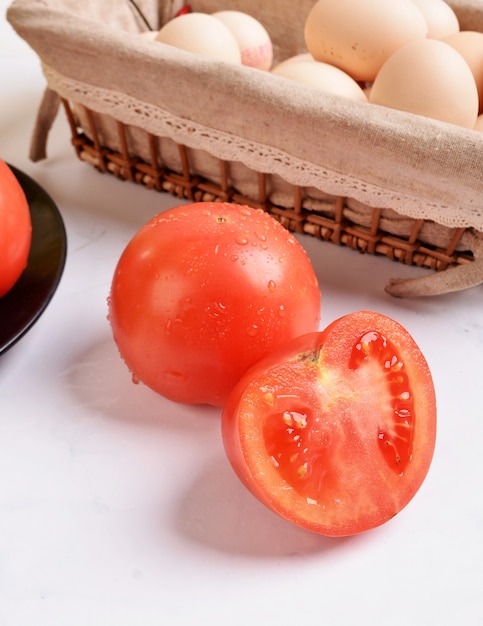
{"type": "Point", "coordinates": [16, 249]}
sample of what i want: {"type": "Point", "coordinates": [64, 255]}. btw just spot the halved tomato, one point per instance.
{"type": "Point", "coordinates": [335, 431]}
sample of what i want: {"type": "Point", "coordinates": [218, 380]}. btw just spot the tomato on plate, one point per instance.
{"type": "Point", "coordinates": [15, 229]}
{"type": "Point", "coordinates": [205, 290]}
{"type": "Point", "coordinates": [336, 430]}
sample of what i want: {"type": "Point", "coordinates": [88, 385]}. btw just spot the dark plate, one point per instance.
{"type": "Point", "coordinates": [22, 306]}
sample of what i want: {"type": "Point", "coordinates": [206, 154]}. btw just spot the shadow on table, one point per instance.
{"type": "Point", "coordinates": [101, 382]}
{"type": "Point", "coordinates": [219, 513]}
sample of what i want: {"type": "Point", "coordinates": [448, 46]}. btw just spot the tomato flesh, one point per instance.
{"type": "Point", "coordinates": [337, 435]}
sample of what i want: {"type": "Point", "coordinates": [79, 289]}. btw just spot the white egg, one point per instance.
{"type": "Point", "coordinates": [359, 35]}
{"type": "Point", "coordinates": [149, 34]}
{"type": "Point", "coordinates": [302, 56]}
{"type": "Point", "coordinates": [253, 39]}
{"type": "Point", "coordinates": [202, 34]}
{"type": "Point", "coordinates": [322, 76]}
{"type": "Point", "coordinates": [428, 77]}
{"type": "Point", "coordinates": [479, 124]}
{"type": "Point", "coordinates": [439, 16]}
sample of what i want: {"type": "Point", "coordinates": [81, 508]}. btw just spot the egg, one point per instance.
{"type": "Point", "coordinates": [359, 36]}
{"type": "Point", "coordinates": [202, 34]}
{"type": "Point", "coordinates": [479, 124]}
{"type": "Point", "coordinates": [252, 37]}
{"type": "Point", "coordinates": [149, 34]}
{"type": "Point", "coordinates": [428, 77]}
{"type": "Point", "coordinates": [469, 44]}
{"type": "Point", "coordinates": [296, 58]}
{"type": "Point", "coordinates": [321, 76]}
{"type": "Point", "coordinates": [440, 18]}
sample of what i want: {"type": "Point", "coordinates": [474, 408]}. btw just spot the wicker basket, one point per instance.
{"type": "Point", "coordinates": [359, 188]}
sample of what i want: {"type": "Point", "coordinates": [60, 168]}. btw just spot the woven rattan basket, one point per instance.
{"type": "Point", "coordinates": [377, 180]}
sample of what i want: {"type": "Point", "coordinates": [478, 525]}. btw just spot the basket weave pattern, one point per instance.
{"type": "Point", "coordinates": [376, 180]}
{"type": "Point", "coordinates": [183, 183]}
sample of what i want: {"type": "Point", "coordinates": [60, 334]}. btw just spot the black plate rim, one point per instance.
{"type": "Point", "coordinates": [28, 184]}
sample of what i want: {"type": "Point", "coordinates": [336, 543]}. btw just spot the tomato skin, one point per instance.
{"type": "Point", "coordinates": [205, 290]}
{"type": "Point", "coordinates": [15, 229]}
{"type": "Point", "coordinates": [317, 433]}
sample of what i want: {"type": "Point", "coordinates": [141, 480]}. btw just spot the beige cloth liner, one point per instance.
{"type": "Point", "coordinates": [410, 166]}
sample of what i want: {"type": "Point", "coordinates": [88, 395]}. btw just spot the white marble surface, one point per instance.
{"type": "Point", "coordinates": [118, 507]}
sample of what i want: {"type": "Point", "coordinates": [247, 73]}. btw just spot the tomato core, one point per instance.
{"type": "Point", "coordinates": [297, 437]}
{"type": "Point", "coordinates": [396, 439]}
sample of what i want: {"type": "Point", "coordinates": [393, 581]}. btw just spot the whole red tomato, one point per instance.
{"type": "Point", "coordinates": [336, 430]}
{"type": "Point", "coordinates": [15, 229]}
{"type": "Point", "coordinates": [205, 290]}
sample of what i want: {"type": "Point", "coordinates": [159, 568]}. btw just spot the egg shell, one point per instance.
{"type": "Point", "coordinates": [202, 34]}
{"type": "Point", "coordinates": [479, 124]}
{"type": "Point", "coordinates": [428, 77]}
{"type": "Point", "coordinates": [321, 76]}
{"type": "Point", "coordinates": [359, 36]}
{"type": "Point", "coordinates": [440, 18]}
{"type": "Point", "coordinates": [149, 34]}
{"type": "Point", "coordinates": [253, 39]}
{"type": "Point", "coordinates": [469, 44]}
{"type": "Point", "coordinates": [303, 56]}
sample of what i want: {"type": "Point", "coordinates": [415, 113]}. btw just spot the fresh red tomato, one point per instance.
{"type": "Point", "coordinates": [335, 431]}
{"type": "Point", "coordinates": [204, 291]}
{"type": "Point", "coordinates": [15, 229]}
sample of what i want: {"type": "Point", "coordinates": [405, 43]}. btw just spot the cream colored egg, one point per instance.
{"type": "Point", "coordinates": [367, 90]}
{"type": "Point", "coordinates": [440, 18]}
{"type": "Point", "coordinates": [202, 34]}
{"type": "Point", "coordinates": [321, 76]}
{"type": "Point", "coordinates": [428, 77]}
{"type": "Point", "coordinates": [470, 45]}
{"type": "Point", "coordinates": [303, 56]}
{"type": "Point", "coordinates": [479, 124]}
{"type": "Point", "coordinates": [253, 39]}
{"type": "Point", "coordinates": [149, 34]}
{"type": "Point", "coordinates": [359, 36]}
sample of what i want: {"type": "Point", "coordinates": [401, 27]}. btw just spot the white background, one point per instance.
{"type": "Point", "coordinates": [118, 507]}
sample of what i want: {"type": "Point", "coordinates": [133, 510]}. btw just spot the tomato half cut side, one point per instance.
{"type": "Point", "coordinates": [336, 431]}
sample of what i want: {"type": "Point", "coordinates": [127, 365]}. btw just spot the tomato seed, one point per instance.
{"type": "Point", "coordinates": [287, 418]}
{"type": "Point", "coordinates": [302, 471]}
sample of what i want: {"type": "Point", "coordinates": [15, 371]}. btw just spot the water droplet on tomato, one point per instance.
{"type": "Point", "coordinates": [260, 235]}
{"type": "Point", "coordinates": [242, 240]}
{"type": "Point", "coordinates": [246, 211]}
{"type": "Point", "coordinates": [234, 257]}
{"type": "Point", "coordinates": [271, 286]}
{"type": "Point", "coordinates": [281, 311]}
{"type": "Point", "coordinates": [136, 380]}
{"type": "Point", "coordinates": [252, 330]}
{"type": "Point", "coordinates": [175, 374]}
